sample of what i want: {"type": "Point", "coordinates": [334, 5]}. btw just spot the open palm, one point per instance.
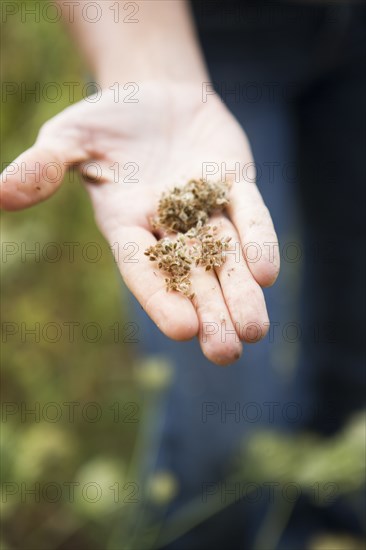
{"type": "Point", "coordinates": [129, 153]}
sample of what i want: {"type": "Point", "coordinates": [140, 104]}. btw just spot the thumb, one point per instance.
{"type": "Point", "coordinates": [38, 172]}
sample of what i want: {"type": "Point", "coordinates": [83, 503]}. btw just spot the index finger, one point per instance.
{"type": "Point", "coordinates": [172, 312]}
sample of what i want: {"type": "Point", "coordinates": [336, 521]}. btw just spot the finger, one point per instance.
{"type": "Point", "coordinates": [243, 295]}
{"type": "Point", "coordinates": [217, 335]}
{"type": "Point", "coordinates": [172, 312]}
{"type": "Point", "coordinates": [37, 173]}
{"type": "Point", "coordinates": [257, 234]}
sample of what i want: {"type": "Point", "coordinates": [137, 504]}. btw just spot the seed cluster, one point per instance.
{"type": "Point", "coordinates": [192, 204]}
{"type": "Point", "coordinates": [185, 211]}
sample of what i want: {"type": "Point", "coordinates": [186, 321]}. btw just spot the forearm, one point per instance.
{"type": "Point", "coordinates": [161, 45]}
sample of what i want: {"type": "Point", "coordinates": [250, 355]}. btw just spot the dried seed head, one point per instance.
{"type": "Point", "coordinates": [186, 210]}
{"type": "Point", "coordinates": [188, 206]}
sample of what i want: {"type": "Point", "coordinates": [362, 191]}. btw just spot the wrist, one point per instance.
{"type": "Point", "coordinates": [164, 91]}
{"type": "Point", "coordinates": [108, 72]}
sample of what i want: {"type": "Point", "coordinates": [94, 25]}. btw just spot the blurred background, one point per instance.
{"type": "Point", "coordinates": [76, 393]}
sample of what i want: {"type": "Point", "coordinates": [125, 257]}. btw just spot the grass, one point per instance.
{"type": "Point", "coordinates": [49, 297]}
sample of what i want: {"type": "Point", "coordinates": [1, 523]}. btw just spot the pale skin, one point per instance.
{"type": "Point", "coordinates": [169, 133]}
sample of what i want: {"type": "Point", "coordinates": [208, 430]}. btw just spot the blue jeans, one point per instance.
{"type": "Point", "coordinates": [293, 78]}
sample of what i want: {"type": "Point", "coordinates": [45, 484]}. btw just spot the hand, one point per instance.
{"type": "Point", "coordinates": [169, 133]}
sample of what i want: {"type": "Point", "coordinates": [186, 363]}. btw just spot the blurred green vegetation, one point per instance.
{"type": "Point", "coordinates": [36, 448]}
{"type": "Point", "coordinates": [37, 290]}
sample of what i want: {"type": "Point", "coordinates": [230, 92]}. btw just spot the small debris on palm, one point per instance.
{"type": "Point", "coordinates": [185, 212]}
